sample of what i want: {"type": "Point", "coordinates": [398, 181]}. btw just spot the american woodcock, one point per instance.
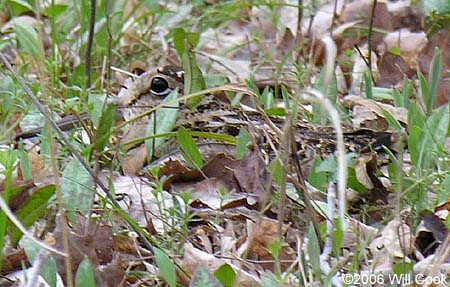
{"type": "Point", "coordinates": [217, 115]}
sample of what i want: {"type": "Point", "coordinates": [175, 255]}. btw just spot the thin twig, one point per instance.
{"type": "Point", "coordinates": [87, 56]}
{"type": "Point", "coordinates": [369, 40]}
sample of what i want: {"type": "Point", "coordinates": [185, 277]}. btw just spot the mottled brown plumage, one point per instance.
{"type": "Point", "coordinates": [215, 115]}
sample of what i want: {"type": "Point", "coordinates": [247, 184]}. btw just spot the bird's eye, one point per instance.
{"type": "Point", "coordinates": [160, 87]}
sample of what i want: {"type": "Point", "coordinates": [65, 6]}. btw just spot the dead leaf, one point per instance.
{"type": "Point", "coordinates": [393, 69]}
{"type": "Point", "coordinates": [409, 44]}
{"type": "Point", "coordinates": [193, 258]}
{"type": "Point", "coordinates": [140, 203]}
{"type": "Point", "coordinates": [261, 233]}
{"type": "Point", "coordinates": [93, 241]}
{"type": "Point", "coordinates": [393, 244]}
{"type": "Point", "coordinates": [435, 225]}
{"type": "Point", "coordinates": [366, 111]}
{"type": "Point", "coordinates": [361, 10]}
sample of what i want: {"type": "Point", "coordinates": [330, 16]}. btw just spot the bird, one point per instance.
{"type": "Point", "coordinates": [215, 114]}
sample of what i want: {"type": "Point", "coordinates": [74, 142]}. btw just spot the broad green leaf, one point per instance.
{"type": "Point", "coordinates": [32, 209]}
{"type": "Point", "coordinates": [353, 182]}
{"type": "Point", "coordinates": [104, 127]}
{"type": "Point", "coordinates": [193, 78]}
{"type": "Point", "coordinates": [202, 278]}
{"type": "Point", "coordinates": [403, 267]}
{"type": "Point", "coordinates": [48, 271]}
{"type": "Point", "coordinates": [173, 18]}
{"type": "Point", "coordinates": [226, 275]}
{"type": "Point", "coordinates": [214, 80]}
{"type": "Point", "coordinates": [444, 190]}
{"type": "Point", "coordinates": [327, 165]}
{"type": "Point", "coordinates": [76, 185]}
{"type": "Point", "coordinates": [27, 38]}
{"type": "Point", "coordinates": [268, 279]}
{"type": "Point", "coordinates": [54, 10]}
{"type": "Point", "coordinates": [180, 35]}
{"type": "Point", "coordinates": [439, 6]}
{"type": "Point", "coordinates": [161, 121]}
{"type": "Point", "coordinates": [274, 248]}
{"type": "Point", "coordinates": [25, 165]}
{"type": "Point", "coordinates": [414, 136]}
{"type": "Point", "coordinates": [317, 178]}
{"type": "Point", "coordinates": [266, 98]}
{"type": "Point", "coordinates": [394, 50]}
{"type": "Point", "coordinates": [85, 274]}
{"type": "Point", "coordinates": [96, 105]}
{"type": "Point", "coordinates": [19, 6]}
{"type": "Point", "coordinates": [319, 115]}
{"type": "Point", "coordinates": [242, 142]}
{"type": "Point", "coordinates": [415, 116]}
{"type": "Point", "coordinates": [250, 82]}
{"type": "Point", "coordinates": [275, 112]}
{"type": "Point", "coordinates": [7, 159]}
{"type": "Point", "coordinates": [189, 148]}
{"type": "Point", "coordinates": [152, 4]}
{"type": "Point", "coordinates": [434, 133]}
{"type": "Point", "coordinates": [276, 169]}
{"type": "Point", "coordinates": [165, 266]}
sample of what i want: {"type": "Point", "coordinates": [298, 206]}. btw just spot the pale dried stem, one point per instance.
{"type": "Point", "coordinates": [314, 95]}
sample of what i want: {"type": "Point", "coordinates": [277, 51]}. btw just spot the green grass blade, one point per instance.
{"type": "Point", "coordinates": [424, 91]}
{"type": "Point", "coordinates": [433, 78]}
